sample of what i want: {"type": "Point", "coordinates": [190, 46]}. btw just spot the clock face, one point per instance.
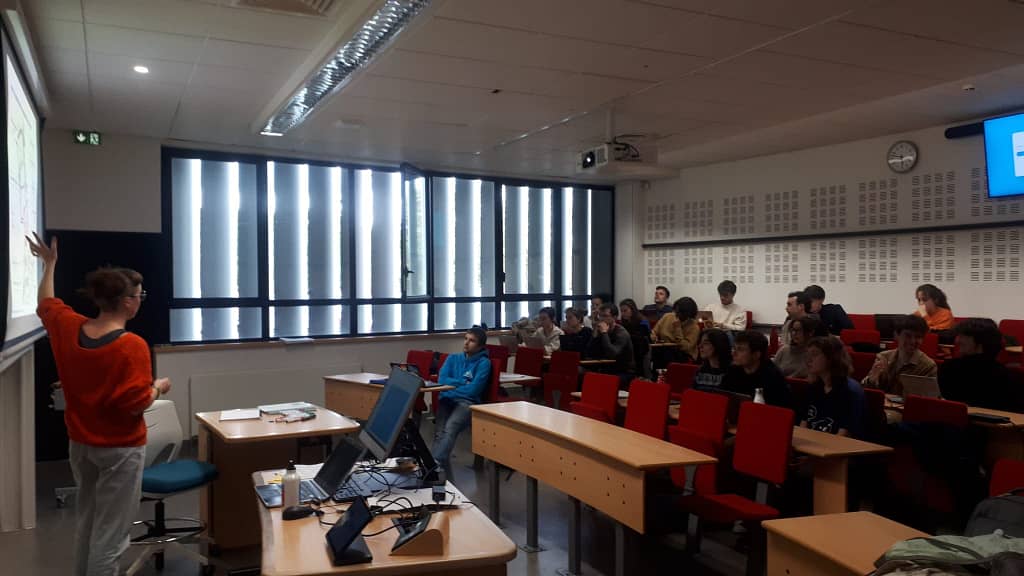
{"type": "Point", "coordinates": [902, 156]}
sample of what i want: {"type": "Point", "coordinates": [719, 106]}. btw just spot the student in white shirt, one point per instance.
{"type": "Point", "coordinates": [727, 314]}
{"type": "Point", "coordinates": [548, 330]}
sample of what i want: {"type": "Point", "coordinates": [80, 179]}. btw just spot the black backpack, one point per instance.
{"type": "Point", "coordinates": [1004, 512]}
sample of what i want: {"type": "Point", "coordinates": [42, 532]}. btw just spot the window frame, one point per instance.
{"type": "Point", "coordinates": [351, 302]}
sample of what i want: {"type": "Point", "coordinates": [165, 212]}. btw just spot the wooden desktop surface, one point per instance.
{"type": "Point", "coordinates": [364, 378]}
{"type": "Point", "coordinates": [597, 463]}
{"type": "Point", "coordinates": [520, 379]}
{"type": "Point", "coordinates": [237, 431]}
{"type": "Point", "coordinates": [1016, 419]}
{"type": "Point", "coordinates": [825, 445]}
{"type": "Point", "coordinates": [354, 395]}
{"type": "Point", "coordinates": [846, 543]}
{"type": "Point", "coordinates": [634, 449]}
{"type": "Point", "coordinates": [1013, 349]}
{"type": "Point", "coordinates": [298, 547]}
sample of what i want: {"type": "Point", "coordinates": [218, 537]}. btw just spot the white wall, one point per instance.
{"type": "Point", "coordinates": [17, 442]}
{"type": "Point", "coordinates": [272, 370]}
{"type": "Point", "coordinates": [875, 271]}
{"type": "Point", "coordinates": [114, 187]}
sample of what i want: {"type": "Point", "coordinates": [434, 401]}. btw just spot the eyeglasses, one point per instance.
{"type": "Point", "coordinates": [141, 296]}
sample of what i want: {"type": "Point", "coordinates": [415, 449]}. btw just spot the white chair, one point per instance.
{"type": "Point", "coordinates": [163, 477]}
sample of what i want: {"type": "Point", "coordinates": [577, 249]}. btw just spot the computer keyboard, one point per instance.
{"type": "Point", "coordinates": [353, 488]}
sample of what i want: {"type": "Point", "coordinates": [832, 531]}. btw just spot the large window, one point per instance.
{"type": "Point", "coordinates": [280, 248]}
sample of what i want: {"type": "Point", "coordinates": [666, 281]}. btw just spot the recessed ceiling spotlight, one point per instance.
{"type": "Point", "coordinates": [141, 69]}
{"type": "Point", "coordinates": [967, 87]}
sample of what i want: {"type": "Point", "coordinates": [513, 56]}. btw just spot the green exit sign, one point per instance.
{"type": "Point", "coordinates": [87, 137]}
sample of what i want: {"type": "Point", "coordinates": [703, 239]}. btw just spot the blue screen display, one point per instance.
{"type": "Point", "coordinates": [1004, 155]}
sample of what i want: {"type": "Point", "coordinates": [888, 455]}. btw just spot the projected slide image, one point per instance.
{"type": "Point", "coordinates": [23, 187]}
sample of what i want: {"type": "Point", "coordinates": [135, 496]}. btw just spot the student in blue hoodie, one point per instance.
{"type": "Point", "coordinates": [469, 373]}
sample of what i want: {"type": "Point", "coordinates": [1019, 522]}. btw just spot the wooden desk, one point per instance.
{"type": "Point", "coordinates": [831, 545]}
{"type": "Point", "coordinates": [1003, 440]}
{"type": "Point", "coordinates": [518, 379]}
{"type": "Point", "coordinates": [354, 395]}
{"type": "Point", "coordinates": [590, 461]}
{"type": "Point", "coordinates": [1013, 349]}
{"type": "Point", "coordinates": [240, 447]}
{"type": "Point", "coordinates": [476, 546]}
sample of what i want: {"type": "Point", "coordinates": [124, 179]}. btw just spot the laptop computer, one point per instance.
{"type": "Point", "coordinates": [533, 342]}
{"type": "Point", "coordinates": [927, 386]}
{"type": "Point", "coordinates": [705, 316]}
{"type": "Point", "coordinates": [732, 414]}
{"type": "Point", "coordinates": [331, 476]}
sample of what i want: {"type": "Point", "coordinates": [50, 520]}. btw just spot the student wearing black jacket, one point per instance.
{"type": "Point", "coordinates": [832, 315]}
{"type": "Point", "coordinates": [611, 341]}
{"type": "Point", "coordinates": [976, 378]}
{"type": "Point", "coordinates": [752, 369]}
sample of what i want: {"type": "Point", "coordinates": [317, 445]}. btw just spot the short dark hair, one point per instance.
{"type": "Point", "coordinates": [727, 287]}
{"type": "Point", "coordinates": [910, 322]}
{"type": "Point", "coordinates": [815, 292]}
{"type": "Point", "coordinates": [685, 308]}
{"type": "Point", "coordinates": [610, 308]}
{"type": "Point", "coordinates": [933, 293]}
{"type": "Point", "coordinates": [479, 332]}
{"type": "Point", "coordinates": [575, 313]}
{"type": "Point", "coordinates": [106, 286]}
{"type": "Point", "coordinates": [550, 313]}
{"type": "Point", "coordinates": [719, 340]}
{"type": "Point", "coordinates": [604, 298]}
{"type": "Point", "coordinates": [668, 293]}
{"type": "Point", "coordinates": [801, 298]}
{"type": "Point", "coordinates": [754, 340]}
{"type": "Point", "coordinates": [984, 332]}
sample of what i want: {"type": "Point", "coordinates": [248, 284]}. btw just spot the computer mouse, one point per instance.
{"type": "Point", "coordinates": [296, 512]}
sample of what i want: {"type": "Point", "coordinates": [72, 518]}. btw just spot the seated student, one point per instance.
{"type": "Point", "coordinates": [752, 369]}
{"type": "Point", "coordinates": [595, 304]}
{"type": "Point", "coordinates": [469, 373]}
{"type": "Point", "coordinates": [715, 352]}
{"type": "Point", "coordinates": [639, 333]}
{"type": "Point", "coordinates": [792, 358]}
{"type": "Point", "coordinates": [798, 305]}
{"type": "Point", "coordinates": [832, 315]}
{"type": "Point", "coordinates": [548, 330]}
{"type": "Point", "coordinates": [933, 307]}
{"type": "Point", "coordinates": [681, 329]}
{"type": "Point", "coordinates": [836, 403]}
{"type": "Point", "coordinates": [975, 377]}
{"type": "Point", "coordinates": [577, 336]}
{"type": "Point", "coordinates": [726, 314]}
{"type": "Point", "coordinates": [612, 342]}
{"type": "Point", "coordinates": [907, 358]}
{"type": "Point", "coordinates": [660, 306]}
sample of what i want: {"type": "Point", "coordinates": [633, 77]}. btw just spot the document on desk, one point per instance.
{"type": "Point", "coordinates": [240, 414]}
{"type": "Point", "coordinates": [400, 498]}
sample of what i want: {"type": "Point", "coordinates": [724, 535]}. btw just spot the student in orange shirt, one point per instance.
{"type": "Point", "coordinates": [933, 307]}
{"type": "Point", "coordinates": [108, 383]}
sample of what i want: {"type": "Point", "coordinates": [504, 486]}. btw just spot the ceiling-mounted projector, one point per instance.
{"type": "Point", "coordinates": [618, 160]}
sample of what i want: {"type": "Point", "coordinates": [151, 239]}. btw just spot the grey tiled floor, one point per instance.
{"type": "Point", "coordinates": [46, 550]}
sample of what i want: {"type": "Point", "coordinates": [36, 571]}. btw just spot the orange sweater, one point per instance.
{"type": "Point", "coordinates": [106, 388]}
{"type": "Point", "coordinates": [941, 320]}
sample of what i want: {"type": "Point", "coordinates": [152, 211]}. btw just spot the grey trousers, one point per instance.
{"type": "Point", "coordinates": [109, 488]}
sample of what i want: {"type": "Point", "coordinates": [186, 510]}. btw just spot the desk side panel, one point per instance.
{"type": "Point", "coordinates": [787, 558]}
{"type": "Point", "coordinates": [608, 486]}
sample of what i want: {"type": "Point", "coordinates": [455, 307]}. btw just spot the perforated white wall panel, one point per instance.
{"type": "Point", "coordinates": [889, 246]}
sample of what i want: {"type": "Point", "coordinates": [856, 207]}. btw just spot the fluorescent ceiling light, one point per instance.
{"type": "Point", "coordinates": [371, 39]}
{"type": "Point", "coordinates": [141, 69]}
{"type": "Point", "coordinates": [270, 133]}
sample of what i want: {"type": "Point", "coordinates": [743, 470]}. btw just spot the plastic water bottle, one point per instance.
{"type": "Point", "coordinates": [290, 486]}
{"type": "Point", "coordinates": [661, 375]}
{"type": "Point", "coordinates": [759, 396]}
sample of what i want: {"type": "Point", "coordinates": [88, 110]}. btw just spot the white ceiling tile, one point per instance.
{"type": "Point", "coordinates": [786, 13]}
{"type": "Point", "coordinates": [59, 34]}
{"type": "Point", "coordinates": [70, 10]}
{"type": "Point", "coordinates": [143, 43]}
{"type": "Point", "coordinates": [994, 24]}
{"type": "Point", "coordinates": [351, 108]}
{"type": "Point", "coordinates": [102, 66]}
{"type": "Point", "coordinates": [68, 89]}
{"type": "Point", "coordinates": [522, 48]}
{"type": "Point", "coordinates": [714, 36]}
{"type": "Point", "coordinates": [255, 57]}
{"type": "Point", "coordinates": [874, 48]}
{"type": "Point", "coordinates": [260, 85]}
{"type": "Point", "coordinates": [272, 29]}
{"type": "Point", "coordinates": [170, 16]}
{"type": "Point", "coordinates": [59, 61]}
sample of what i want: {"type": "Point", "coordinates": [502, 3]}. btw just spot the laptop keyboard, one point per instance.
{"type": "Point", "coordinates": [352, 488]}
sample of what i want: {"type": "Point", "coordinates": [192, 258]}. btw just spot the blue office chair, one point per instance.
{"type": "Point", "coordinates": [163, 477]}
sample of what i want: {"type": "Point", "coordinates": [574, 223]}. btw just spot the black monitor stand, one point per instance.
{"type": "Point", "coordinates": [410, 437]}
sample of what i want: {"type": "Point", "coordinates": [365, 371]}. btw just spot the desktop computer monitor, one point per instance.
{"type": "Point", "coordinates": [391, 412]}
